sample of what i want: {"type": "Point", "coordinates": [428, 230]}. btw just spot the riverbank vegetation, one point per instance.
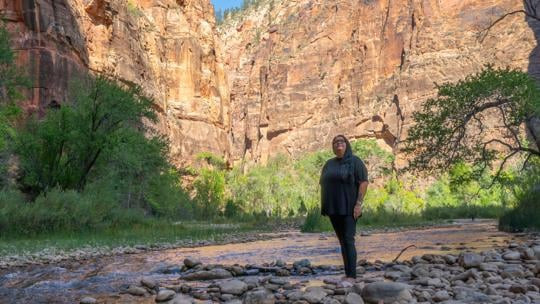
{"type": "Point", "coordinates": [92, 166]}
{"type": "Point", "coordinates": [150, 233]}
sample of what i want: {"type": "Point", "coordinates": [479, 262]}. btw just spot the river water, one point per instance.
{"type": "Point", "coordinates": [103, 278]}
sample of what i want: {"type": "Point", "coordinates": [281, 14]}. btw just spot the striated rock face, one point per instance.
{"type": "Point", "coordinates": [169, 47]}
{"type": "Point", "coordinates": [285, 78]}
{"type": "Point", "coordinates": [301, 72]}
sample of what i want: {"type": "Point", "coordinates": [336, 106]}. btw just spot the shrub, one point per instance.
{"type": "Point", "coordinates": [210, 193]}
{"type": "Point", "coordinates": [11, 205]}
{"type": "Point", "coordinates": [233, 210]}
{"type": "Point", "coordinates": [60, 210]}
{"type": "Point", "coordinates": [315, 222]}
{"type": "Point", "coordinates": [166, 198]}
{"type": "Point", "coordinates": [133, 9]}
{"type": "Point", "coordinates": [525, 216]}
{"type": "Point", "coordinates": [526, 212]}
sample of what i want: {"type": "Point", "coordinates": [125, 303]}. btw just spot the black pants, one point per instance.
{"type": "Point", "coordinates": [345, 228]}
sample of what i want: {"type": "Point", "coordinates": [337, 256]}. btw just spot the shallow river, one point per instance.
{"type": "Point", "coordinates": [103, 278]}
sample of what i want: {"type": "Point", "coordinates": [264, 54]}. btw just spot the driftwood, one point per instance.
{"type": "Point", "coordinates": [401, 252]}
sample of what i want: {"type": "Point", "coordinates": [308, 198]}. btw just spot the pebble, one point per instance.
{"type": "Point", "coordinates": [136, 291]}
{"type": "Point", "coordinates": [165, 295]}
{"type": "Point", "coordinates": [148, 282]}
{"type": "Point", "coordinates": [353, 298]}
{"type": "Point", "coordinates": [88, 300]}
{"type": "Point", "coordinates": [494, 276]}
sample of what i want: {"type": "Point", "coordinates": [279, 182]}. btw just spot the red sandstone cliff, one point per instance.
{"type": "Point", "coordinates": [303, 71]}
{"type": "Point", "coordinates": [169, 47]}
{"type": "Point", "coordinates": [298, 72]}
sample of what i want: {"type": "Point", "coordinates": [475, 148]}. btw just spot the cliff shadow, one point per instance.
{"type": "Point", "coordinates": [532, 7]}
{"type": "Point", "coordinates": [51, 48]}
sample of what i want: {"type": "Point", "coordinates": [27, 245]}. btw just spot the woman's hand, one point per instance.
{"type": "Point", "coordinates": [357, 211]}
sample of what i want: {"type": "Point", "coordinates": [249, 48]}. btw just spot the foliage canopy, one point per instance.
{"type": "Point", "coordinates": [474, 121]}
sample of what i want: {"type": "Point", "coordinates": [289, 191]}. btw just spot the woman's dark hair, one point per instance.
{"type": "Point", "coordinates": [347, 163]}
{"type": "Point", "coordinates": [348, 150]}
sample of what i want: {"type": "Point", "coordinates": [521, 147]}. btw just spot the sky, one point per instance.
{"type": "Point", "coordinates": [223, 4]}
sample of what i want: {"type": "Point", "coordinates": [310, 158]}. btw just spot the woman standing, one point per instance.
{"type": "Point", "coordinates": [344, 182]}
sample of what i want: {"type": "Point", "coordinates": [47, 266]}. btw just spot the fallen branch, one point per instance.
{"type": "Point", "coordinates": [402, 251]}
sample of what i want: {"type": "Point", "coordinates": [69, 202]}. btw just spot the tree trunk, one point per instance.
{"type": "Point", "coordinates": [533, 131]}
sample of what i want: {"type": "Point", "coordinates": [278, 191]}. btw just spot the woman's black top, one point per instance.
{"type": "Point", "coordinates": [340, 178]}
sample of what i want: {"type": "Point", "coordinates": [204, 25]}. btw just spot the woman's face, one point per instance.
{"type": "Point", "coordinates": [339, 146]}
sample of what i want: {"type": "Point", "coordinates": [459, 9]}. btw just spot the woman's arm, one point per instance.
{"type": "Point", "coordinates": [362, 189]}
{"type": "Point", "coordinates": [362, 178]}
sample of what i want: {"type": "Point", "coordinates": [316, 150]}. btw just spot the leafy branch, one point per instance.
{"type": "Point", "coordinates": [477, 121]}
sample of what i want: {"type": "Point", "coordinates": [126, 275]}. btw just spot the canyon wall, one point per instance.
{"type": "Point", "coordinates": [284, 77]}
{"type": "Point", "coordinates": [169, 47]}
{"type": "Point", "coordinates": [303, 71]}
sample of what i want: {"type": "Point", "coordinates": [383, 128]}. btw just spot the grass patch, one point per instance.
{"type": "Point", "coordinates": [149, 233]}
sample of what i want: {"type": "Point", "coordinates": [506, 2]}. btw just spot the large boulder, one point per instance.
{"type": "Point", "coordinates": [165, 295]}
{"type": "Point", "coordinates": [191, 262]}
{"type": "Point", "coordinates": [234, 287]}
{"type": "Point", "coordinates": [180, 299]}
{"type": "Point", "coordinates": [388, 292]}
{"type": "Point", "coordinates": [136, 291]}
{"type": "Point", "coordinates": [470, 260]}
{"type": "Point", "coordinates": [441, 295]}
{"type": "Point", "coordinates": [149, 283]}
{"type": "Point", "coordinates": [259, 296]}
{"type": "Point", "coordinates": [314, 294]}
{"type": "Point", "coordinates": [203, 275]}
{"type": "Point", "coordinates": [470, 295]}
{"type": "Point", "coordinates": [511, 255]}
{"type": "Point", "coordinates": [353, 298]}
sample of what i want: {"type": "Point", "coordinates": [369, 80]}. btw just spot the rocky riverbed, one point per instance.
{"type": "Point", "coordinates": [468, 263]}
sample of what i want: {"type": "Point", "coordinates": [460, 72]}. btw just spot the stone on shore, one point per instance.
{"type": "Point", "coordinates": [441, 295]}
{"type": "Point", "coordinates": [512, 255]}
{"type": "Point", "coordinates": [234, 287]}
{"type": "Point", "coordinates": [388, 292]}
{"type": "Point", "coordinates": [191, 262]}
{"type": "Point", "coordinates": [149, 283]}
{"type": "Point", "coordinates": [314, 294]}
{"type": "Point", "coordinates": [165, 295]}
{"type": "Point", "coordinates": [180, 299]}
{"type": "Point", "coordinates": [469, 260]}
{"type": "Point", "coordinates": [304, 263]}
{"type": "Point", "coordinates": [136, 291]}
{"type": "Point", "coordinates": [88, 300]}
{"type": "Point", "coordinates": [353, 298]}
{"type": "Point", "coordinates": [203, 275]}
{"type": "Point", "coordinates": [259, 296]}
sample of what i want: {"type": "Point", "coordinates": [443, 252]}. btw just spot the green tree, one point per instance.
{"type": "Point", "coordinates": [453, 128]}
{"type": "Point", "coordinates": [65, 148]}
{"type": "Point", "coordinates": [12, 80]}
{"type": "Point", "coordinates": [210, 193]}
